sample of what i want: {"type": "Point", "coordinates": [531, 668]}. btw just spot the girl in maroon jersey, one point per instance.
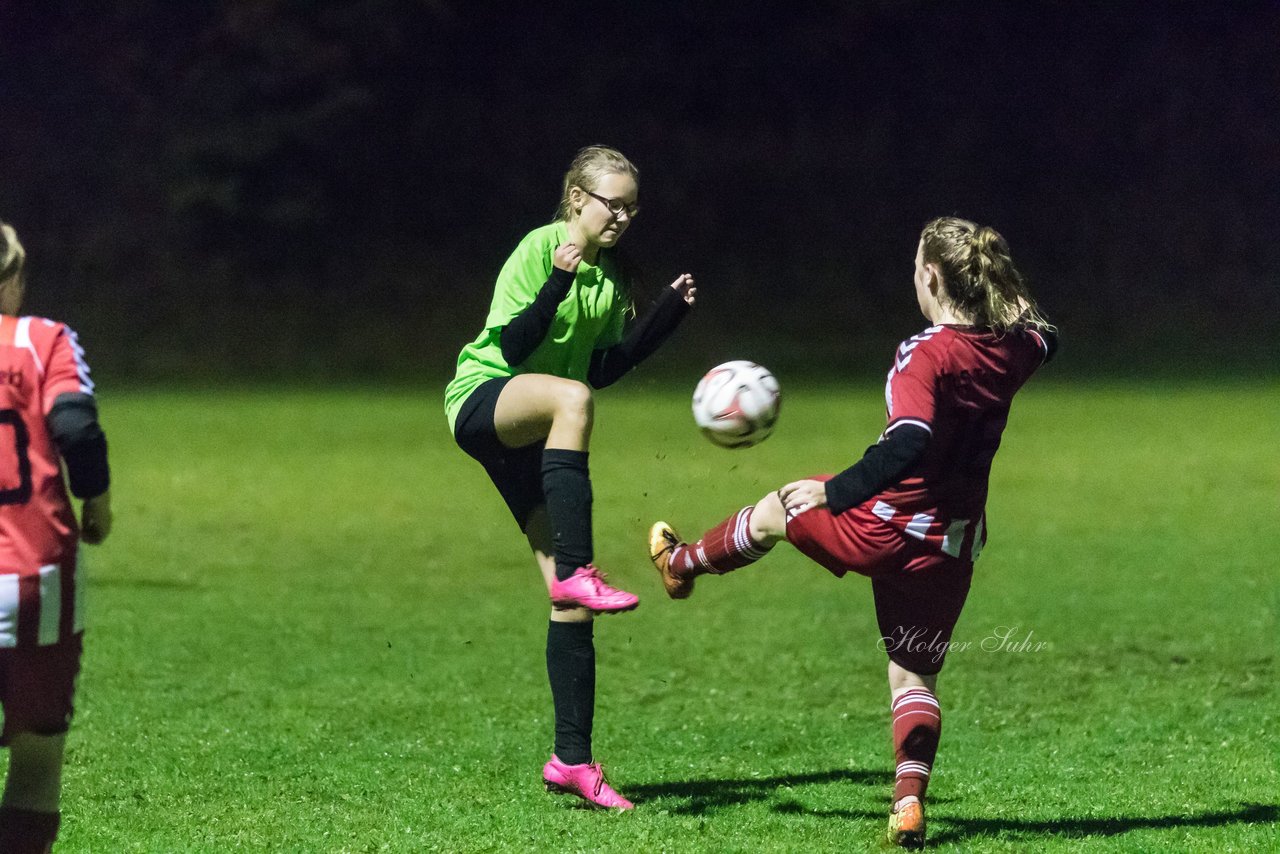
{"type": "Point", "coordinates": [910, 513]}
{"type": "Point", "coordinates": [49, 417]}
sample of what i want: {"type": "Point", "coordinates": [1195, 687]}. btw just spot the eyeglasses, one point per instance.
{"type": "Point", "coordinates": [617, 207]}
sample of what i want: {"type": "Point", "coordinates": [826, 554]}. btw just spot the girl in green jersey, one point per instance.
{"type": "Point", "coordinates": [521, 405]}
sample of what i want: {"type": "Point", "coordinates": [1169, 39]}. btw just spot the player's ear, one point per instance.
{"type": "Point", "coordinates": [933, 279]}
{"type": "Point", "coordinates": [577, 198]}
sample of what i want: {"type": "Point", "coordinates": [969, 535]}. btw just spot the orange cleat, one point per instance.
{"type": "Point", "coordinates": [906, 823]}
{"type": "Point", "coordinates": [662, 541]}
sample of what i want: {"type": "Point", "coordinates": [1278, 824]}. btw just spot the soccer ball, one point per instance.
{"type": "Point", "coordinates": [736, 404]}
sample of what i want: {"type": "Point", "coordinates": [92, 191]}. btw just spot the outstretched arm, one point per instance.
{"type": "Point", "coordinates": [610, 365]}
{"type": "Point", "coordinates": [883, 464]}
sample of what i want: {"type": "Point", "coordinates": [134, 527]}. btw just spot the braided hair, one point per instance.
{"type": "Point", "coordinates": [978, 273]}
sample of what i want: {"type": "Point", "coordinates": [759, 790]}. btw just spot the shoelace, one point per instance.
{"type": "Point", "coordinates": [599, 778]}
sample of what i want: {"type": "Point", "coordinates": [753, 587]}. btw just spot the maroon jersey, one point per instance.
{"type": "Point", "coordinates": [39, 360]}
{"type": "Point", "coordinates": [956, 382]}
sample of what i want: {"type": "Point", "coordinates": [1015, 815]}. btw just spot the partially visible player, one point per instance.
{"type": "Point", "coordinates": [48, 417]}
{"type": "Point", "coordinates": [521, 405]}
{"type": "Point", "coordinates": [910, 513]}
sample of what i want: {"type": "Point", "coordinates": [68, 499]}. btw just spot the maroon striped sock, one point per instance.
{"type": "Point", "coordinates": [917, 724]}
{"type": "Point", "coordinates": [722, 549]}
{"type": "Point", "coordinates": [25, 831]}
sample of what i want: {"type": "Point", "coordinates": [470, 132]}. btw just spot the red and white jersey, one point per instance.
{"type": "Point", "coordinates": [39, 360]}
{"type": "Point", "coordinates": [957, 382]}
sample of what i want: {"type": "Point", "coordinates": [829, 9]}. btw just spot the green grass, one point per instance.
{"type": "Point", "coordinates": [316, 629]}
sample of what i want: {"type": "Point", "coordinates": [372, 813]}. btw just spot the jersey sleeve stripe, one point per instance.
{"type": "Point", "coordinates": [82, 367]}
{"type": "Point", "coordinates": [1044, 345]}
{"type": "Point", "coordinates": [914, 422]}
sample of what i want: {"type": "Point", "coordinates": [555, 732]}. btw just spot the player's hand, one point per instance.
{"type": "Point", "coordinates": [95, 519]}
{"type": "Point", "coordinates": [684, 286]}
{"type": "Point", "coordinates": [567, 257]}
{"type": "Point", "coordinates": [803, 495]}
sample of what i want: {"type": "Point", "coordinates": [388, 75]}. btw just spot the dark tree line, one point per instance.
{"type": "Point", "coordinates": [303, 188]}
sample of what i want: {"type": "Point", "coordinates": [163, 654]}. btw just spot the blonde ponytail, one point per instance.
{"type": "Point", "coordinates": [978, 273]}
{"type": "Point", "coordinates": [12, 255]}
{"type": "Point", "coordinates": [12, 259]}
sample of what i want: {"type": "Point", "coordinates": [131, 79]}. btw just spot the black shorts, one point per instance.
{"type": "Point", "coordinates": [917, 610]}
{"type": "Point", "coordinates": [517, 472]}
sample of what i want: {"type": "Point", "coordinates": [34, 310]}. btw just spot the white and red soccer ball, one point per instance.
{"type": "Point", "coordinates": [736, 404]}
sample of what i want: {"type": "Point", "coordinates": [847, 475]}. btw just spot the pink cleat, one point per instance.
{"type": "Point", "coordinates": [586, 589]}
{"type": "Point", "coordinates": [586, 781]}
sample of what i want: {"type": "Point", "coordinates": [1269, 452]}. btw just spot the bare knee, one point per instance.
{"type": "Point", "coordinates": [574, 405]}
{"type": "Point", "coordinates": [901, 679]}
{"type": "Point", "coordinates": [769, 520]}
{"type": "Point", "coordinates": [574, 400]}
{"type": "Point", "coordinates": [535, 407]}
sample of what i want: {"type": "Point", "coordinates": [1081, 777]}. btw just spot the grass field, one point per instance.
{"type": "Point", "coordinates": [316, 629]}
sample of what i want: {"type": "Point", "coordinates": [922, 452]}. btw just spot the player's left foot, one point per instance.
{"type": "Point", "coordinates": [906, 823]}
{"type": "Point", "coordinates": [586, 588]}
{"type": "Point", "coordinates": [586, 781]}
{"type": "Point", "coordinates": [662, 541]}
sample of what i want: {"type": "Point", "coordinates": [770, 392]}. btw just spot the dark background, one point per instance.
{"type": "Point", "coordinates": [316, 191]}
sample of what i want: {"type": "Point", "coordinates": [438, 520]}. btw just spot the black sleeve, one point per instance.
{"type": "Point", "coordinates": [73, 423]}
{"type": "Point", "coordinates": [610, 365]}
{"type": "Point", "coordinates": [884, 464]}
{"type": "Point", "coordinates": [525, 332]}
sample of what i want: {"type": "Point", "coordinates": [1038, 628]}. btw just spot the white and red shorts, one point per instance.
{"type": "Point", "coordinates": [41, 639]}
{"type": "Point", "coordinates": [919, 591]}
{"type": "Point", "coordinates": [37, 687]}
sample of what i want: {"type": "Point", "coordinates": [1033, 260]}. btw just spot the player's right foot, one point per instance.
{"type": "Point", "coordinates": [586, 781]}
{"type": "Point", "coordinates": [662, 541]}
{"type": "Point", "coordinates": [906, 823]}
{"type": "Point", "coordinates": [586, 588]}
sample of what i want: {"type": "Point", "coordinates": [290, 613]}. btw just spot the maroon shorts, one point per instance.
{"type": "Point", "coordinates": [919, 592]}
{"type": "Point", "coordinates": [37, 685]}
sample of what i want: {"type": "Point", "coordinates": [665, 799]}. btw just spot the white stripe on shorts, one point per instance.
{"type": "Point", "coordinates": [50, 604]}
{"type": "Point", "coordinates": [8, 611]}
{"type": "Point", "coordinates": [78, 595]}
{"type": "Point", "coordinates": [919, 525]}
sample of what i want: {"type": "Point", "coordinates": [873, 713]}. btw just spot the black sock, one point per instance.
{"type": "Point", "coordinates": [566, 484]}
{"type": "Point", "coordinates": [571, 667]}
